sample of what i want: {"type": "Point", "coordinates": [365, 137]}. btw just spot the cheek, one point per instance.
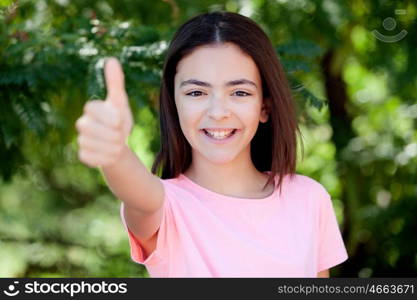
{"type": "Point", "coordinates": [187, 115]}
{"type": "Point", "coordinates": [250, 115]}
{"type": "Point", "coordinates": [188, 118]}
{"type": "Point", "coordinates": [250, 119]}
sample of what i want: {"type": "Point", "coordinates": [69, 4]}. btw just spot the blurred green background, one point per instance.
{"type": "Point", "coordinates": [356, 96]}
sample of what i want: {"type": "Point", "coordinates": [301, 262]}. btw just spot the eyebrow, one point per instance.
{"type": "Point", "coordinates": [229, 83]}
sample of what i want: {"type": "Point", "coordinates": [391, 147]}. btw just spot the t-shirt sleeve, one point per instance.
{"type": "Point", "coordinates": [331, 248]}
{"type": "Point", "coordinates": [136, 249]}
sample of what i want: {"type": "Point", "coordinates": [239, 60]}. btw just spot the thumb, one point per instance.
{"type": "Point", "coordinates": [115, 82]}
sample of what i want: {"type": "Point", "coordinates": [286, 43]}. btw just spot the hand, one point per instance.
{"type": "Point", "coordinates": [105, 125]}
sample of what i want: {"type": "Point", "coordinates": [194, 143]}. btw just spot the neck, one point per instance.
{"type": "Point", "coordinates": [239, 178]}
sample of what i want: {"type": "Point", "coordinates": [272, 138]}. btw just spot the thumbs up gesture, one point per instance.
{"type": "Point", "coordinates": [105, 125]}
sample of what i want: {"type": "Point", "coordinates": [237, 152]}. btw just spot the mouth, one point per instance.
{"type": "Point", "coordinates": [220, 134]}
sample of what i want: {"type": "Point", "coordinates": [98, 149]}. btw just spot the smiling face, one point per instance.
{"type": "Point", "coordinates": [218, 94]}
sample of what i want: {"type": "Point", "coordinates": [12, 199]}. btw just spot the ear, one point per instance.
{"type": "Point", "coordinates": [265, 110]}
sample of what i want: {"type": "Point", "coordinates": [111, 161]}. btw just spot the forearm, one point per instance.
{"type": "Point", "coordinates": [131, 182]}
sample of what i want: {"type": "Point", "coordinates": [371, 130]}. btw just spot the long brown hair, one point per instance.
{"type": "Point", "coordinates": [274, 146]}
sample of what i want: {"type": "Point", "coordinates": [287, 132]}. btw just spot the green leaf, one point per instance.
{"type": "Point", "coordinates": [29, 113]}
{"type": "Point", "coordinates": [300, 90]}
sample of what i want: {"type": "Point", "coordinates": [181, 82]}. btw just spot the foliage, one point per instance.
{"type": "Point", "coordinates": [58, 218]}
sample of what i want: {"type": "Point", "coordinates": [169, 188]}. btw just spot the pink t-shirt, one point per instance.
{"type": "Point", "coordinates": [206, 234]}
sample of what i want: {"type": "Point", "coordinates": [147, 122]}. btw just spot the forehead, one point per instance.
{"type": "Point", "coordinates": [217, 64]}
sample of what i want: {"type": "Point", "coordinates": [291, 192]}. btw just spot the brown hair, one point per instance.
{"type": "Point", "coordinates": [274, 146]}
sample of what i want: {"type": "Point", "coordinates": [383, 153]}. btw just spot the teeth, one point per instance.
{"type": "Point", "coordinates": [219, 134]}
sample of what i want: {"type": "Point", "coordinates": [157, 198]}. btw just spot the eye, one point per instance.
{"type": "Point", "coordinates": [245, 94]}
{"type": "Point", "coordinates": [195, 93]}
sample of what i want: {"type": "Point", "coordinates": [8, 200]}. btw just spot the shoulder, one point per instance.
{"type": "Point", "coordinates": [304, 191]}
{"type": "Point", "coordinates": [306, 184]}
{"type": "Point", "coordinates": [176, 188]}
{"type": "Point", "coordinates": [177, 182]}
{"type": "Point", "coordinates": [171, 183]}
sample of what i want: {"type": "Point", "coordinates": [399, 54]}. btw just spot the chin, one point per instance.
{"type": "Point", "coordinates": [220, 158]}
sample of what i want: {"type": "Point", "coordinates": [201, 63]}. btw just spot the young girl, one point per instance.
{"type": "Point", "coordinates": [228, 203]}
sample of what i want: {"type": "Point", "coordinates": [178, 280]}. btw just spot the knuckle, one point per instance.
{"type": "Point", "coordinates": [91, 105]}
{"type": "Point", "coordinates": [85, 158]}
{"type": "Point", "coordinates": [88, 126]}
{"type": "Point", "coordinates": [82, 156]}
{"type": "Point", "coordinates": [81, 139]}
{"type": "Point", "coordinates": [79, 123]}
{"type": "Point", "coordinates": [83, 123]}
{"type": "Point", "coordinates": [87, 107]}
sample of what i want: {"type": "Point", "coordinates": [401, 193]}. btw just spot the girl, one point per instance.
{"type": "Point", "coordinates": [228, 203]}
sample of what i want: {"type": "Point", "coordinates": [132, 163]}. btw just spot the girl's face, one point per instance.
{"type": "Point", "coordinates": [218, 94]}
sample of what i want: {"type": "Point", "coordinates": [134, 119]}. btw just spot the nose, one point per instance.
{"type": "Point", "coordinates": [218, 108]}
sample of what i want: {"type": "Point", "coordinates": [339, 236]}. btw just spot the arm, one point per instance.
{"type": "Point", "coordinates": [323, 274]}
{"type": "Point", "coordinates": [142, 194]}
{"type": "Point", "coordinates": [131, 182]}
{"type": "Point", "coordinates": [103, 130]}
